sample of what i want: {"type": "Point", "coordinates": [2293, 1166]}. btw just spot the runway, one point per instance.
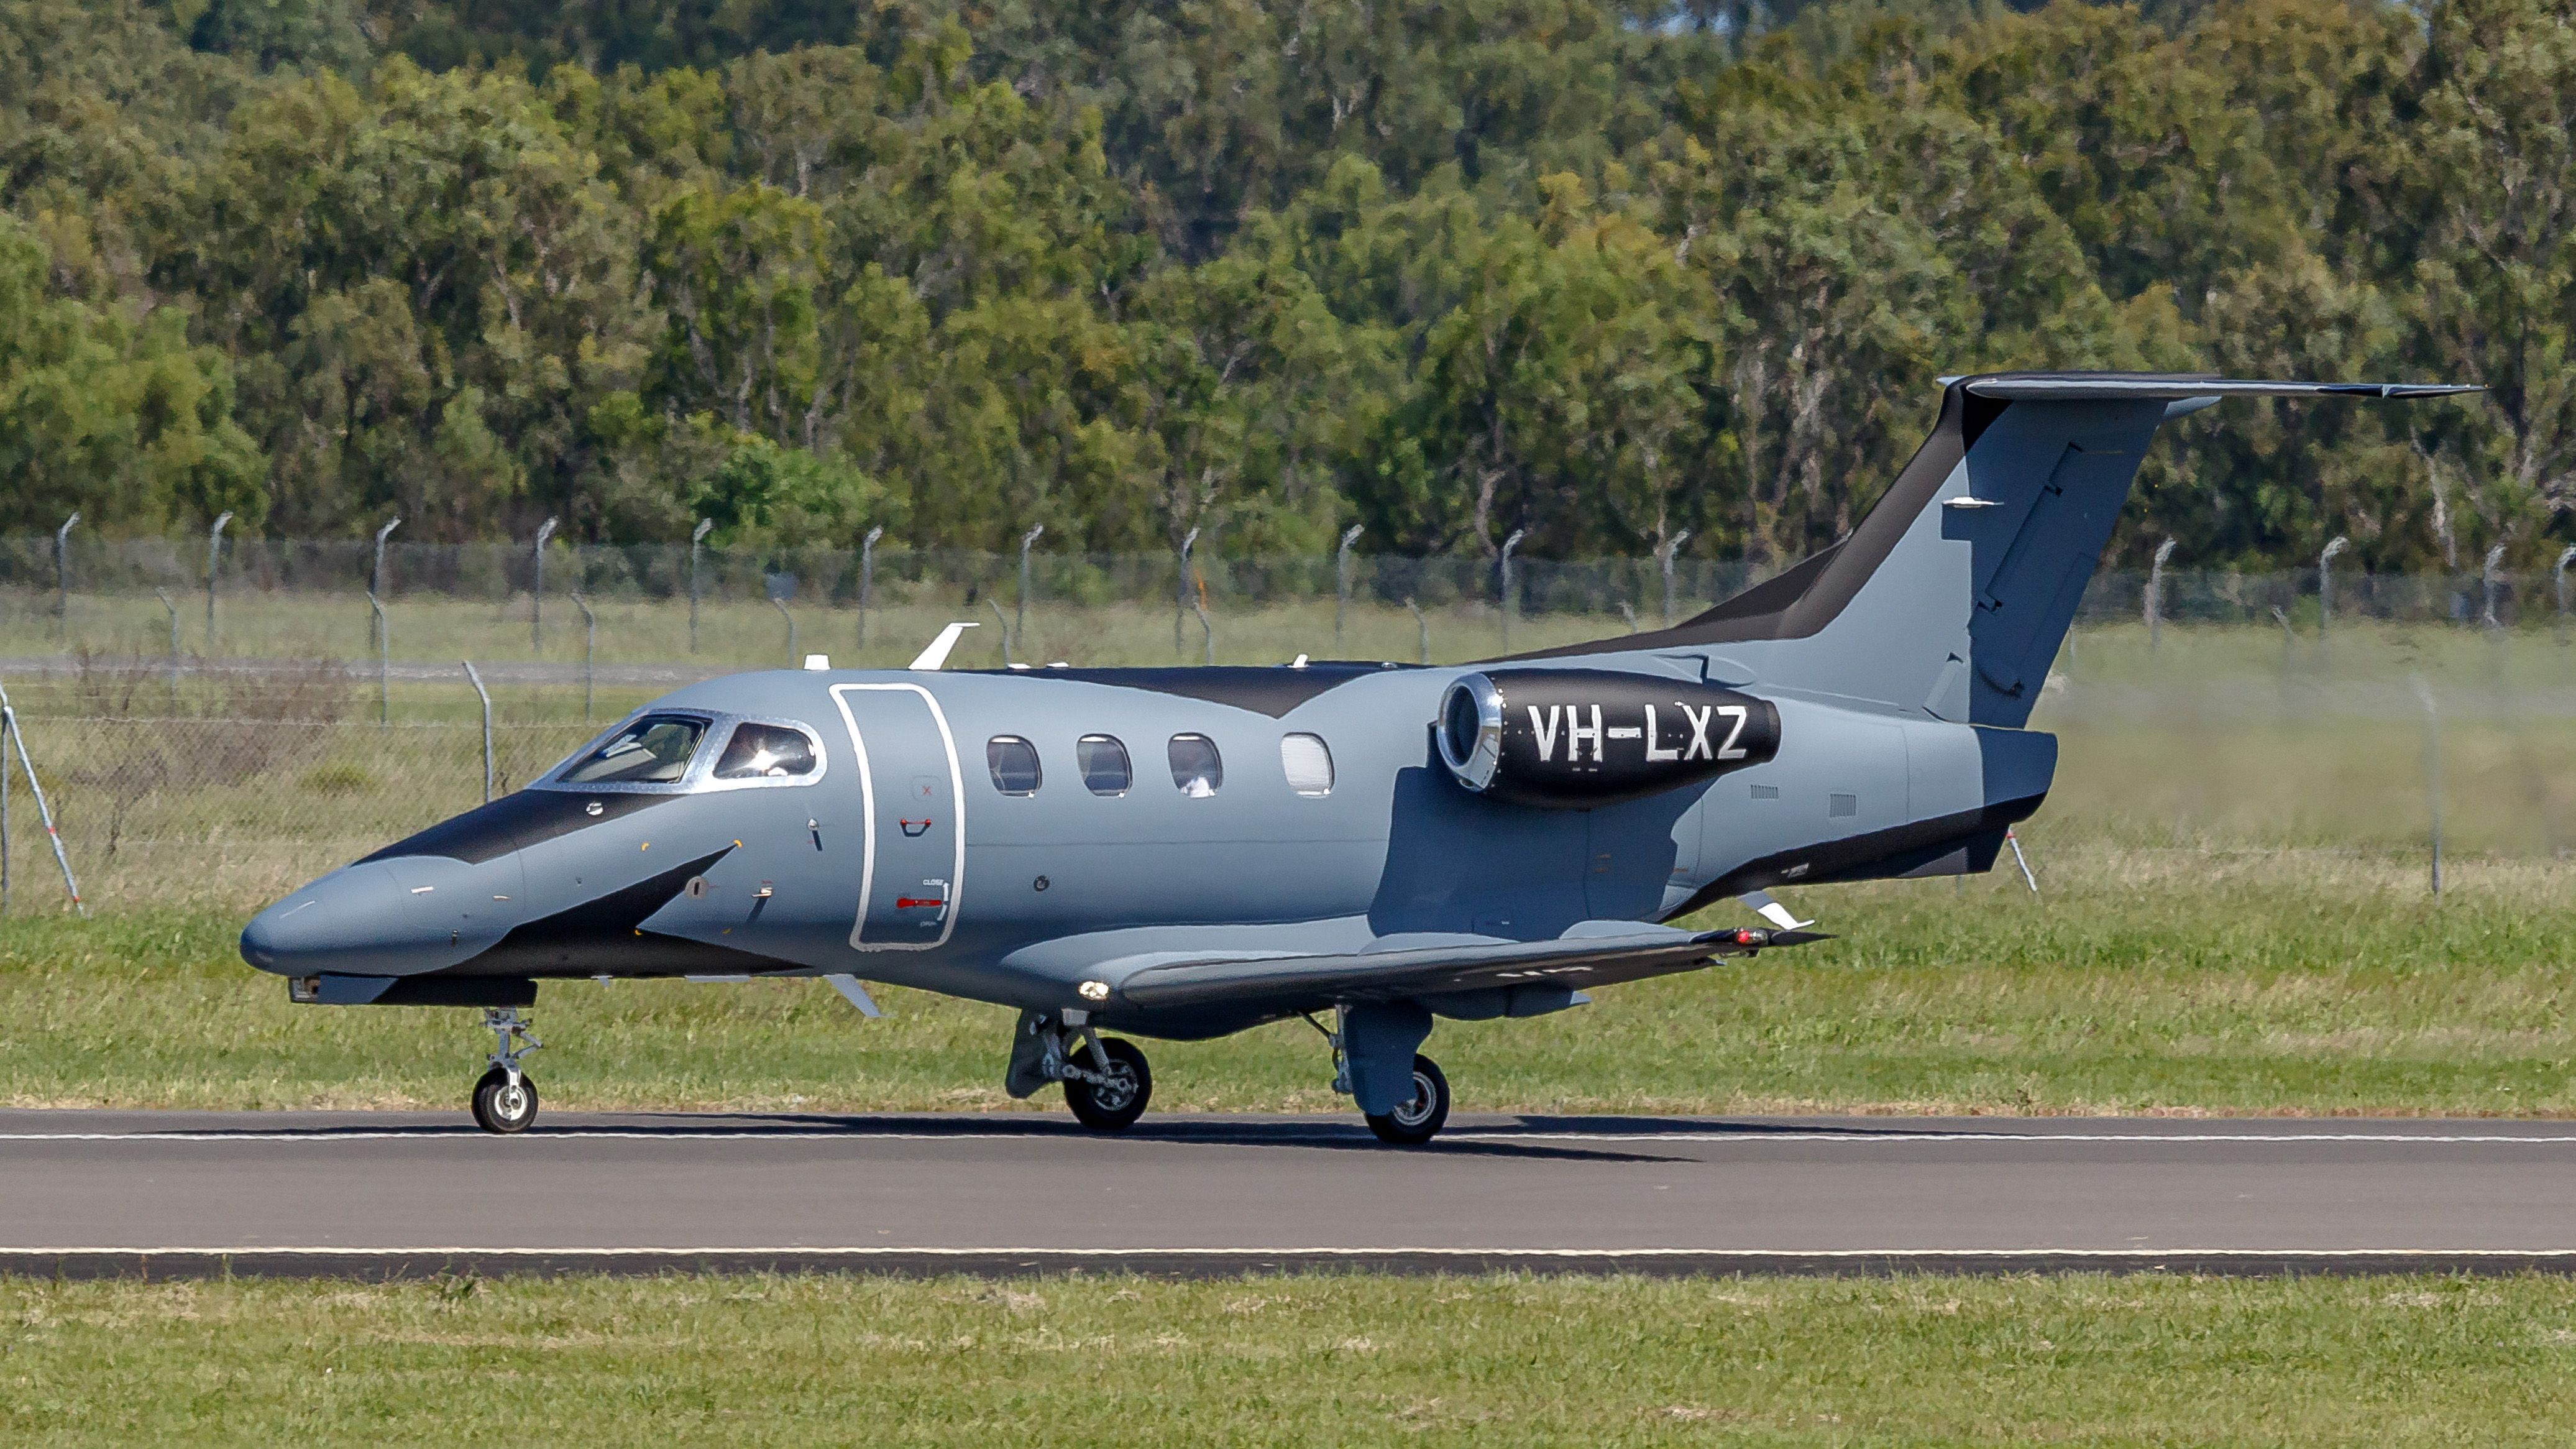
{"type": "Point", "coordinates": [373, 1194]}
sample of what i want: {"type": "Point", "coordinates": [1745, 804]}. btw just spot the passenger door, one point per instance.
{"type": "Point", "coordinates": [912, 813]}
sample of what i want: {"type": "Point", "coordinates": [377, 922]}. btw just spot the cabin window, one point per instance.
{"type": "Point", "coordinates": [1105, 770]}
{"type": "Point", "coordinates": [1197, 769]}
{"type": "Point", "coordinates": [1309, 763]}
{"type": "Point", "coordinates": [654, 750]}
{"type": "Point", "coordinates": [1014, 763]}
{"type": "Point", "coordinates": [765, 752]}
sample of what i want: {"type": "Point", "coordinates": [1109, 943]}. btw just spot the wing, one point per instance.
{"type": "Point", "coordinates": [1283, 984]}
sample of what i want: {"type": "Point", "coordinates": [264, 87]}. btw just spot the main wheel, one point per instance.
{"type": "Point", "coordinates": [501, 1106]}
{"type": "Point", "coordinates": [1115, 1106]}
{"type": "Point", "coordinates": [1418, 1121]}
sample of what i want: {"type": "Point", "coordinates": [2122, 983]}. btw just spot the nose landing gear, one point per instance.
{"type": "Point", "coordinates": [505, 1101]}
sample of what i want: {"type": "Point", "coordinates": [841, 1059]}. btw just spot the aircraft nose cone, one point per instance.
{"type": "Point", "coordinates": [341, 922]}
{"type": "Point", "coordinates": [391, 917]}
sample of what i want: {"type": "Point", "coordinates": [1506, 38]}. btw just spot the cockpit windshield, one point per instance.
{"type": "Point", "coordinates": [654, 750]}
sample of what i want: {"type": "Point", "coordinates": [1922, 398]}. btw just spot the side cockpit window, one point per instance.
{"type": "Point", "coordinates": [1014, 763]}
{"type": "Point", "coordinates": [654, 750]}
{"type": "Point", "coordinates": [765, 752]}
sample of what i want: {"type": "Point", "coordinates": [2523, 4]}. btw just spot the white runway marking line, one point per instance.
{"type": "Point", "coordinates": [1817, 1254]}
{"type": "Point", "coordinates": [1264, 1135]}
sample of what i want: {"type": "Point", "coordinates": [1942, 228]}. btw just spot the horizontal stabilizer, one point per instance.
{"type": "Point", "coordinates": [1309, 983]}
{"type": "Point", "coordinates": [2138, 387]}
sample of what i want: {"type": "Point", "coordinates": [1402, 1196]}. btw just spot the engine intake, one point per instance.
{"type": "Point", "coordinates": [1573, 739]}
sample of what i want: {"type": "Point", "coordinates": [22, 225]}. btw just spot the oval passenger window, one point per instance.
{"type": "Point", "coordinates": [1309, 763]}
{"type": "Point", "coordinates": [1014, 763]}
{"type": "Point", "coordinates": [1103, 759]}
{"type": "Point", "coordinates": [1197, 770]}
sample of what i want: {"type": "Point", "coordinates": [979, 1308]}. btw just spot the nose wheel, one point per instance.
{"type": "Point", "coordinates": [505, 1101]}
{"type": "Point", "coordinates": [503, 1104]}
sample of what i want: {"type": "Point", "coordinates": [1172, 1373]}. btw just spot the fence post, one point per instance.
{"type": "Point", "coordinates": [867, 577]}
{"type": "Point", "coordinates": [484, 695]}
{"type": "Point", "coordinates": [590, 650]}
{"type": "Point", "coordinates": [1010, 656]}
{"type": "Point", "coordinates": [537, 590]}
{"type": "Point", "coordinates": [2325, 582]}
{"type": "Point", "coordinates": [1020, 620]}
{"type": "Point", "coordinates": [214, 555]}
{"type": "Point", "coordinates": [1671, 547]}
{"type": "Point", "coordinates": [780, 605]}
{"type": "Point", "coordinates": [168, 606]}
{"type": "Point", "coordinates": [2432, 774]}
{"type": "Point", "coordinates": [697, 540]}
{"type": "Point", "coordinates": [1342, 583]}
{"type": "Point", "coordinates": [2155, 594]}
{"type": "Point", "coordinates": [9, 733]}
{"type": "Point", "coordinates": [1181, 600]}
{"type": "Point", "coordinates": [376, 575]}
{"type": "Point", "coordinates": [1422, 626]}
{"type": "Point", "coordinates": [63, 578]}
{"type": "Point", "coordinates": [2487, 585]}
{"type": "Point", "coordinates": [384, 662]}
{"type": "Point", "coordinates": [1509, 544]}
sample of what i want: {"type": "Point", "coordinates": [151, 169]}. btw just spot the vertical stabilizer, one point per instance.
{"type": "Point", "coordinates": [1952, 596]}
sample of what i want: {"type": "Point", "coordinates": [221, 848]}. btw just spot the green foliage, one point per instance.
{"type": "Point", "coordinates": [1600, 271]}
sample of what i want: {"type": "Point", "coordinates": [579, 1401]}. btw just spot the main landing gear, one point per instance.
{"type": "Point", "coordinates": [505, 1100]}
{"type": "Point", "coordinates": [1419, 1119]}
{"type": "Point", "coordinates": [1371, 1046]}
{"type": "Point", "coordinates": [1109, 1088]}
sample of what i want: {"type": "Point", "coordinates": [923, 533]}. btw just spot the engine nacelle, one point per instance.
{"type": "Point", "coordinates": [1573, 739]}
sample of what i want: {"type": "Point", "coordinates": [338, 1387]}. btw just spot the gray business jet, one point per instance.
{"type": "Point", "coordinates": [1185, 853]}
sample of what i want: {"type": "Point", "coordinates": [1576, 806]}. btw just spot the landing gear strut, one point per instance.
{"type": "Point", "coordinates": [505, 1100]}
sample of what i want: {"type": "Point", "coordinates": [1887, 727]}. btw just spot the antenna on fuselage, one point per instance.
{"type": "Point", "coordinates": [936, 654]}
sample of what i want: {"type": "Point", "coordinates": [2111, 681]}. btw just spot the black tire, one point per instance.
{"type": "Point", "coordinates": [1418, 1121]}
{"type": "Point", "coordinates": [1114, 1108]}
{"type": "Point", "coordinates": [499, 1108]}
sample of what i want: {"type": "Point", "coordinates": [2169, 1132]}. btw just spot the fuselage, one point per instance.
{"type": "Point", "coordinates": [995, 835]}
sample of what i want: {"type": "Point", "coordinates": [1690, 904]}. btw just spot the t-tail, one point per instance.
{"type": "Point", "coordinates": [1953, 595]}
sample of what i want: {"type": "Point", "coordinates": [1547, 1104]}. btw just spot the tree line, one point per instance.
{"type": "Point", "coordinates": [1618, 275]}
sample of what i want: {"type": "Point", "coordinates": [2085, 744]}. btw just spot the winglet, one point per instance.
{"type": "Point", "coordinates": [936, 654]}
{"type": "Point", "coordinates": [1774, 912]}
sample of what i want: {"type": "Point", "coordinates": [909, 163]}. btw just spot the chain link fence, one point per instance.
{"type": "Point", "coordinates": [709, 608]}
{"type": "Point", "coordinates": [225, 770]}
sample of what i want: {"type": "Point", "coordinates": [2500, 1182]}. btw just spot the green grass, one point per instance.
{"type": "Point", "coordinates": [1299, 1360]}
{"type": "Point", "coordinates": [2141, 981]}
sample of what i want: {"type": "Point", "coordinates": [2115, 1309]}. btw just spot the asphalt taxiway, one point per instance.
{"type": "Point", "coordinates": [374, 1194]}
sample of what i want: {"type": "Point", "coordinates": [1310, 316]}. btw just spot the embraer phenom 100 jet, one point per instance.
{"type": "Point", "coordinates": [1185, 853]}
